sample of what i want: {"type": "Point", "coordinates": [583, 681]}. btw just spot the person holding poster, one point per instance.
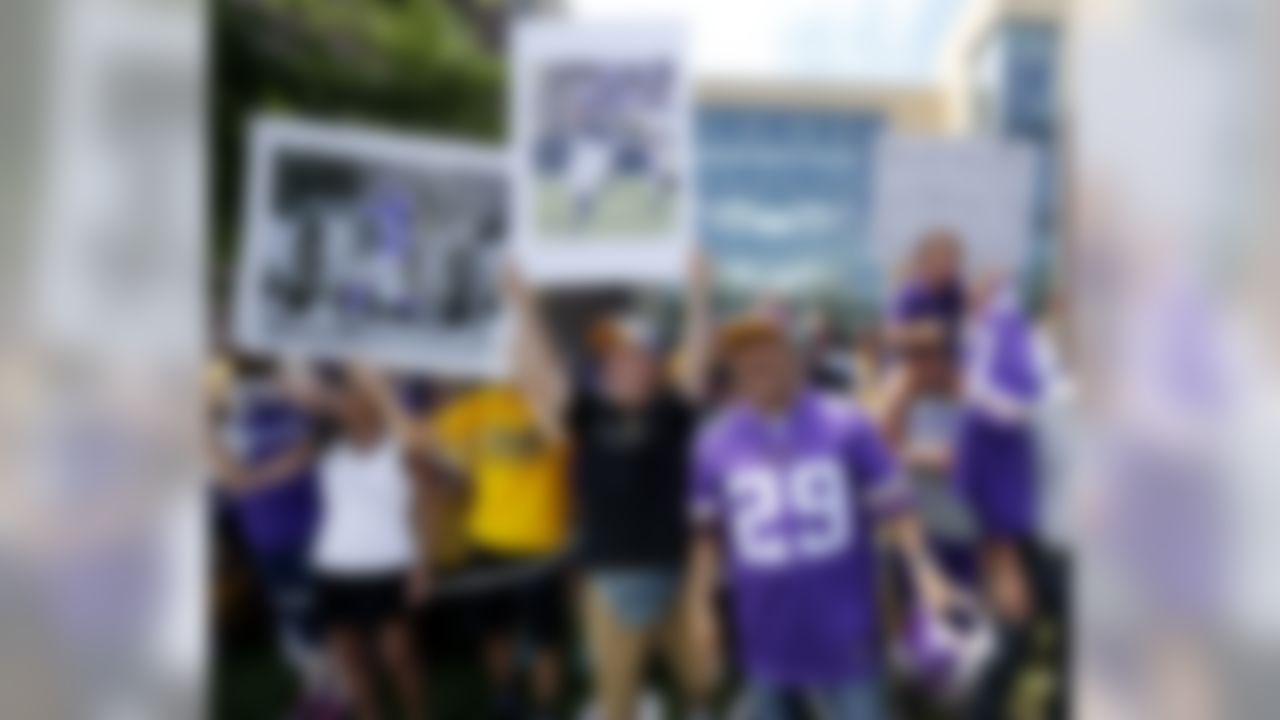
{"type": "Point", "coordinates": [262, 448]}
{"type": "Point", "coordinates": [366, 557]}
{"type": "Point", "coordinates": [631, 431]}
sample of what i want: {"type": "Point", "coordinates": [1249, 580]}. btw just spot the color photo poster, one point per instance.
{"type": "Point", "coordinates": [602, 124]}
{"type": "Point", "coordinates": [364, 245]}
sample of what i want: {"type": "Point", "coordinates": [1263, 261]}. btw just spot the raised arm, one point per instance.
{"type": "Point", "coordinates": [538, 370]}
{"type": "Point", "coordinates": [399, 422]}
{"type": "Point", "coordinates": [887, 405]}
{"type": "Point", "coordinates": [448, 440]}
{"type": "Point", "coordinates": [237, 477]}
{"type": "Point", "coordinates": [282, 468]}
{"type": "Point", "coordinates": [228, 472]}
{"type": "Point", "coordinates": [299, 382]}
{"type": "Point", "coordinates": [694, 368]}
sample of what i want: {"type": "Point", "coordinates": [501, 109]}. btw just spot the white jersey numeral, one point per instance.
{"type": "Point", "coordinates": [795, 514]}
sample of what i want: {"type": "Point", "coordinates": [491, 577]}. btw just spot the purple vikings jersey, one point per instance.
{"type": "Point", "coordinates": [796, 498]}
{"type": "Point", "coordinates": [996, 456]}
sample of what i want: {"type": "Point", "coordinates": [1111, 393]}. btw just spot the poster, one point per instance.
{"type": "Point", "coordinates": [602, 121]}
{"type": "Point", "coordinates": [979, 189]}
{"type": "Point", "coordinates": [365, 245]}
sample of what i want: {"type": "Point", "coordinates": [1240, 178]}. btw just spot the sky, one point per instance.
{"type": "Point", "coordinates": [891, 41]}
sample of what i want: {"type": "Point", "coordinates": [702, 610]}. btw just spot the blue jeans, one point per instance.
{"type": "Point", "coordinates": [860, 699]}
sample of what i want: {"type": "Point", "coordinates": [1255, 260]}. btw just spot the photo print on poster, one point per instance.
{"type": "Point", "coordinates": [602, 123]}
{"type": "Point", "coordinates": [370, 246]}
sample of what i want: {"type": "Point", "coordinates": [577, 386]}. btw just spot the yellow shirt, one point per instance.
{"type": "Point", "coordinates": [518, 478]}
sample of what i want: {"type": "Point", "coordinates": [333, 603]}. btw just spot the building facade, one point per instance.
{"type": "Point", "coordinates": [786, 171]}
{"type": "Point", "coordinates": [785, 175]}
{"type": "Point", "coordinates": [1002, 76]}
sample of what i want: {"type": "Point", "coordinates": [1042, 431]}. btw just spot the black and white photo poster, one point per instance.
{"type": "Point", "coordinates": [602, 124]}
{"type": "Point", "coordinates": [372, 246]}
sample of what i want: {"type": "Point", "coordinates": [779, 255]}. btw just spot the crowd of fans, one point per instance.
{"type": "Point", "coordinates": [787, 524]}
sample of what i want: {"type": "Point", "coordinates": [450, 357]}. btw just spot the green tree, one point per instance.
{"type": "Point", "coordinates": [402, 64]}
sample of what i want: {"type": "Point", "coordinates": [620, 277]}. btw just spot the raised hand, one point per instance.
{"type": "Point", "coordinates": [701, 272]}
{"type": "Point", "coordinates": [514, 288]}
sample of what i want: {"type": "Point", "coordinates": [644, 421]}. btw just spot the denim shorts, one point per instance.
{"type": "Point", "coordinates": [638, 598]}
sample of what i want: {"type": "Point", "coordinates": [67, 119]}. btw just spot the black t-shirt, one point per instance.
{"type": "Point", "coordinates": [629, 470]}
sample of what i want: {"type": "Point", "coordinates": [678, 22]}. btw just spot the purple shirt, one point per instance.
{"type": "Point", "coordinates": [995, 455]}
{"type": "Point", "coordinates": [796, 497]}
{"type": "Point", "coordinates": [279, 518]}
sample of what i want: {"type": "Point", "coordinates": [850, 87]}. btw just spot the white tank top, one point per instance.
{"type": "Point", "coordinates": [366, 523]}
